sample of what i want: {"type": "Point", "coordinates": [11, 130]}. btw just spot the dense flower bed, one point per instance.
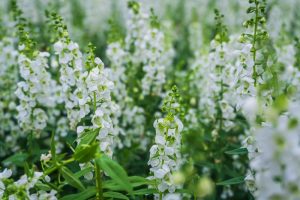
{"type": "Point", "coordinates": [173, 99]}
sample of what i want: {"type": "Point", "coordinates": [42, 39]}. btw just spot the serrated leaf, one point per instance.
{"type": "Point", "coordinates": [238, 151]}
{"type": "Point", "coordinates": [115, 172]}
{"type": "Point", "coordinates": [86, 194]}
{"type": "Point", "coordinates": [233, 181]}
{"type": "Point", "coordinates": [71, 178]}
{"type": "Point", "coordinates": [115, 195]}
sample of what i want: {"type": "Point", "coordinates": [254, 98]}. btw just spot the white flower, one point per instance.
{"type": "Point", "coordinates": [160, 139]}
{"type": "Point", "coordinates": [172, 197]}
{"type": "Point", "coordinates": [274, 162]}
{"type": "Point", "coordinates": [160, 173]}
{"type": "Point", "coordinates": [169, 151]}
{"type": "Point", "coordinates": [58, 47]}
{"type": "Point", "coordinates": [98, 61]}
{"type": "Point", "coordinates": [6, 173]}
{"type": "Point", "coordinates": [40, 119]}
{"type": "Point", "coordinates": [46, 157]}
{"type": "Point", "coordinates": [21, 47]}
{"type": "Point", "coordinates": [151, 51]}
{"type": "Point", "coordinates": [73, 46]}
{"type": "Point", "coordinates": [250, 107]}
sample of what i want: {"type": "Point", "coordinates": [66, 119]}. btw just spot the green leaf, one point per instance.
{"type": "Point", "coordinates": [238, 151]}
{"type": "Point", "coordinates": [88, 137]}
{"type": "Point", "coordinates": [53, 149]}
{"type": "Point", "coordinates": [17, 159]}
{"type": "Point", "coordinates": [80, 173]}
{"type": "Point", "coordinates": [138, 181]}
{"type": "Point", "coordinates": [71, 178]}
{"type": "Point", "coordinates": [183, 191]}
{"type": "Point", "coordinates": [251, 9]}
{"type": "Point", "coordinates": [233, 181]}
{"type": "Point", "coordinates": [43, 186]}
{"type": "Point", "coordinates": [83, 172]}
{"type": "Point", "coordinates": [86, 194]}
{"type": "Point", "coordinates": [135, 181]}
{"type": "Point", "coordinates": [112, 185]}
{"type": "Point", "coordinates": [84, 153]}
{"type": "Point", "coordinates": [281, 103]}
{"type": "Point", "coordinates": [145, 191]}
{"type": "Point", "coordinates": [115, 195]}
{"type": "Point", "coordinates": [115, 171]}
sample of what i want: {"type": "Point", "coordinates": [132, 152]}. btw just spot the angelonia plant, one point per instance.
{"type": "Point", "coordinates": [164, 100]}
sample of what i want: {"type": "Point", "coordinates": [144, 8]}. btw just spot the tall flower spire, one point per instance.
{"type": "Point", "coordinates": [165, 155]}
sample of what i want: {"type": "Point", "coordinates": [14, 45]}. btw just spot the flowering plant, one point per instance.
{"type": "Point", "coordinates": [154, 99]}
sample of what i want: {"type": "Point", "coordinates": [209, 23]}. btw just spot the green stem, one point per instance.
{"type": "Point", "coordinates": [160, 196]}
{"type": "Point", "coordinates": [254, 75]}
{"type": "Point", "coordinates": [58, 165]}
{"type": "Point", "coordinates": [99, 195]}
{"type": "Point", "coordinates": [221, 98]}
{"type": "Point", "coordinates": [95, 102]}
{"type": "Point", "coordinates": [30, 144]}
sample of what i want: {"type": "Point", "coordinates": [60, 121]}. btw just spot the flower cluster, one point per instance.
{"type": "Point", "coordinates": [86, 86]}
{"type": "Point", "coordinates": [24, 187]}
{"type": "Point", "coordinates": [272, 154]}
{"type": "Point", "coordinates": [131, 115]}
{"type": "Point", "coordinates": [37, 91]}
{"type": "Point", "coordinates": [216, 73]}
{"type": "Point", "coordinates": [99, 87]}
{"type": "Point", "coordinates": [148, 48]}
{"type": "Point", "coordinates": [71, 77]}
{"type": "Point", "coordinates": [165, 155]}
{"type": "Point", "coordinates": [9, 130]}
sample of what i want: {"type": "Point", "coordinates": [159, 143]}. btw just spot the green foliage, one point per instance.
{"type": "Point", "coordinates": [154, 20]}
{"type": "Point", "coordinates": [71, 178]}
{"type": "Point", "coordinates": [134, 6]}
{"type": "Point", "coordinates": [221, 30]}
{"type": "Point", "coordinates": [236, 180]}
{"type": "Point", "coordinates": [169, 106]}
{"type": "Point", "coordinates": [115, 195]}
{"type": "Point", "coordinates": [238, 151]}
{"type": "Point", "coordinates": [16, 159]}
{"type": "Point", "coordinates": [115, 171]}
{"type": "Point", "coordinates": [59, 26]}
{"type": "Point", "coordinates": [86, 194]}
{"type": "Point", "coordinates": [85, 153]}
